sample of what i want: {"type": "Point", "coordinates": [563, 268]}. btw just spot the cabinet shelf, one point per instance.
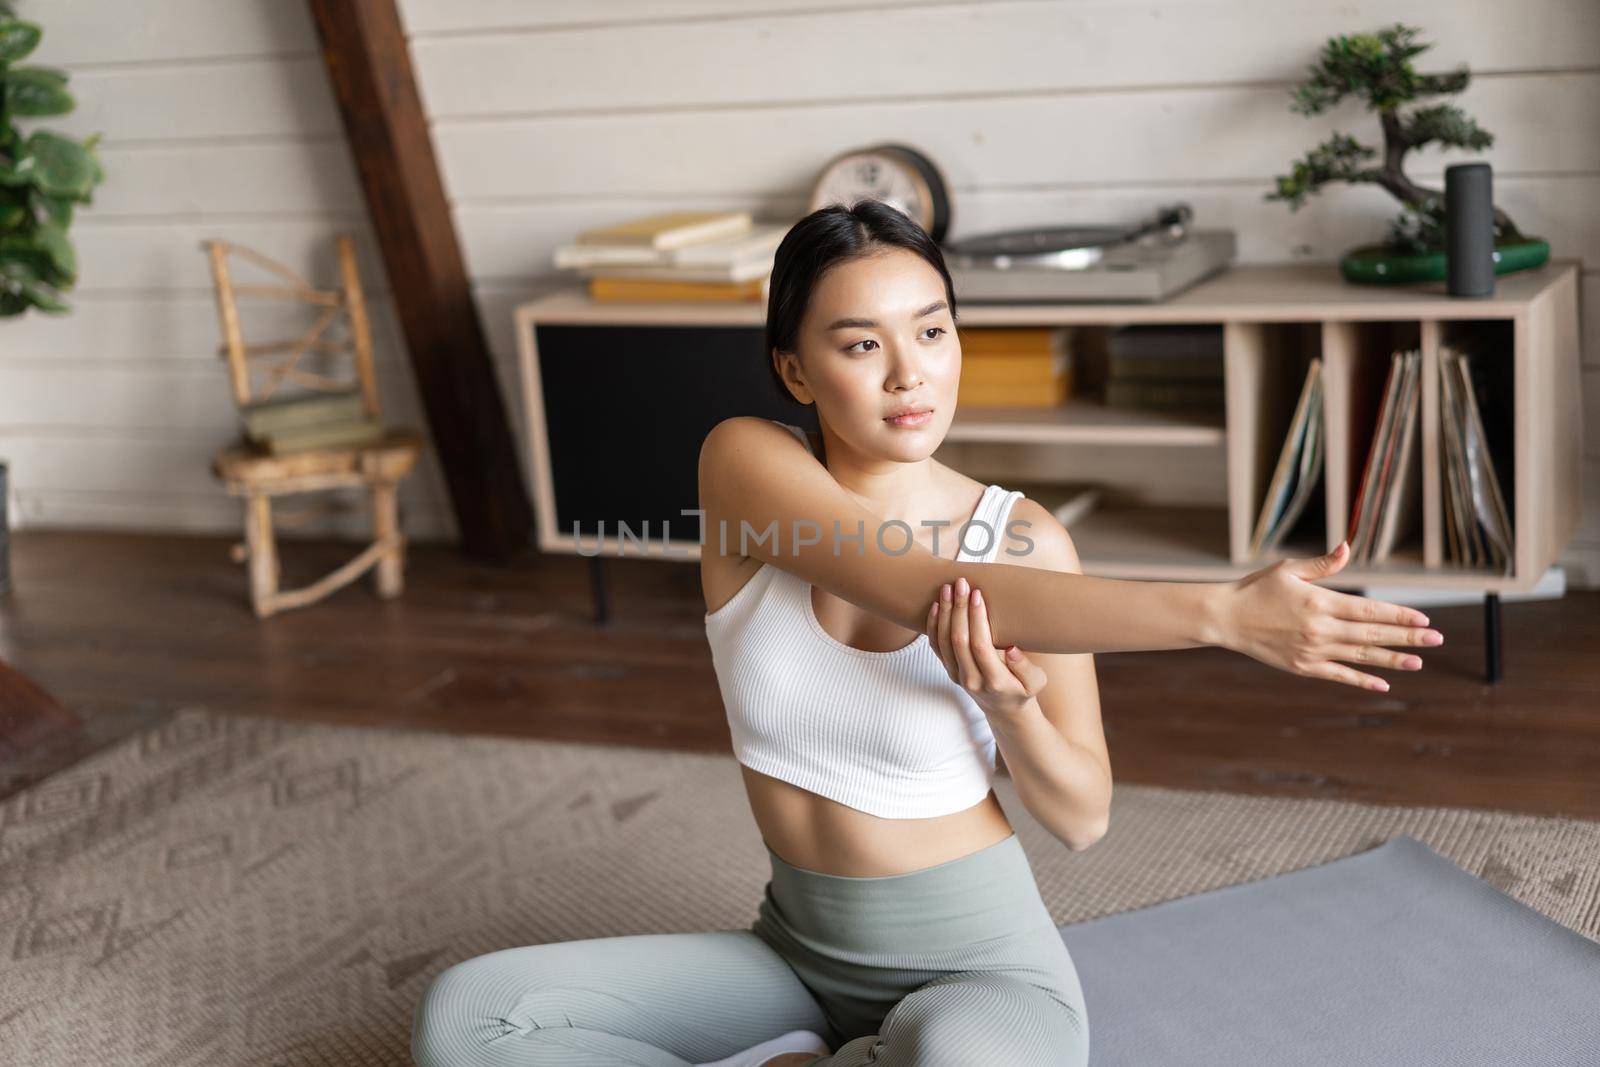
{"type": "Point", "coordinates": [1085, 421]}
{"type": "Point", "coordinates": [596, 453]}
{"type": "Point", "coordinates": [1168, 543]}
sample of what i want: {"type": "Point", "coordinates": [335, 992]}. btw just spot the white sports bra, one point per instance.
{"type": "Point", "coordinates": [887, 733]}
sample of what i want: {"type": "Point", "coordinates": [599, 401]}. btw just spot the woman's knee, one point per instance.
{"type": "Point", "coordinates": [983, 1018]}
{"type": "Point", "coordinates": [443, 1020]}
{"type": "Point", "coordinates": [465, 1007]}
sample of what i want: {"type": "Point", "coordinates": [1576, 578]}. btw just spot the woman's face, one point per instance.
{"type": "Point", "coordinates": [877, 339]}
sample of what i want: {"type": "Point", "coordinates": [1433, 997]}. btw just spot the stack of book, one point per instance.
{"type": "Point", "coordinates": [1299, 468]}
{"type": "Point", "coordinates": [1016, 367]}
{"type": "Point", "coordinates": [690, 256]}
{"type": "Point", "coordinates": [300, 422]}
{"type": "Point", "coordinates": [1385, 507]}
{"type": "Point", "coordinates": [1157, 365]}
{"type": "Point", "coordinates": [1476, 479]}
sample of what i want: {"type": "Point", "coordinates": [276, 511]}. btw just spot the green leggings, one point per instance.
{"type": "Point", "coordinates": [955, 964]}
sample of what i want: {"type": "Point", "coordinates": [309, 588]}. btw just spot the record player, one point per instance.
{"type": "Point", "coordinates": [1038, 265]}
{"type": "Point", "coordinates": [1100, 264]}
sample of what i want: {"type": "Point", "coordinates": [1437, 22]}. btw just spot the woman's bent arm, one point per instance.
{"type": "Point", "coordinates": [764, 495]}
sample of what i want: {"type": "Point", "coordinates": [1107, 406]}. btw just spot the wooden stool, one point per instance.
{"type": "Point", "coordinates": [255, 474]}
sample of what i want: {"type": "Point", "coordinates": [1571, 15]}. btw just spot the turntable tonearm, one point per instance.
{"type": "Point", "coordinates": [1065, 264]}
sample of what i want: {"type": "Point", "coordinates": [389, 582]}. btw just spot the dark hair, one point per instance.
{"type": "Point", "coordinates": [824, 238]}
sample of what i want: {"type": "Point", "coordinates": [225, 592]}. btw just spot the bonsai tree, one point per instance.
{"type": "Point", "coordinates": [1377, 67]}
{"type": "Point", "coordinates": [42, 176]}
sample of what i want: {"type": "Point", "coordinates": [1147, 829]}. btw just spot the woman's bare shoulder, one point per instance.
{"type": "Point", "coordinates": [755, 469]}
{"type": "Point", "coordinates": [1034, 537]}
{"type": "Point", "coordinates": [740, 437]}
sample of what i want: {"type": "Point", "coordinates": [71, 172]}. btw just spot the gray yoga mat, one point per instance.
{"type": "Point", "coordinates": [1393, 957]}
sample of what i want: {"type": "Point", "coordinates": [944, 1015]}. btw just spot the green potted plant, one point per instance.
{"type": "Point", "coordinates": [1377, 68]}
{"type": "Point", "coordinates": [43, 175]}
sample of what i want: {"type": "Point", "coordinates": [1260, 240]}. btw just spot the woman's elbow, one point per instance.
{"type": "Point", "coordinates": [1084, 836]}
{"type": "Point", "coordinates": [1088, 831]}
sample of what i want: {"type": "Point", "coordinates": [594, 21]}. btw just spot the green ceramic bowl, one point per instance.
{"type": "Point", "coordinates": [1373, 265]}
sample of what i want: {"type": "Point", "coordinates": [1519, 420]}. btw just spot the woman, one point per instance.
{"type": "Point", "coordinates": [871, 692]}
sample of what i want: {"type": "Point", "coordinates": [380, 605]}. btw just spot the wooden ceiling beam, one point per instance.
{"type": "Point", "coordinates": [369, 66]}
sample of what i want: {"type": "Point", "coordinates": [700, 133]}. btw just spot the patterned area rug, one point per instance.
{"type": "Point", "coordinates": [231, 890]}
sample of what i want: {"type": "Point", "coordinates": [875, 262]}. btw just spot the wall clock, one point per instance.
{"type": "Point", "coordinates": [897, 174]}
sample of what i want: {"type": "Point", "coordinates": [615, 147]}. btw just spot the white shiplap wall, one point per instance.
{"type": "Point", "coordinates": [217, 121]}
{"type": "Point", "coordinates": [549, 117]}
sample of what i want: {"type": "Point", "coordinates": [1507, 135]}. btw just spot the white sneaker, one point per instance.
{"type": "Point", "coordinates": [793, 1041]}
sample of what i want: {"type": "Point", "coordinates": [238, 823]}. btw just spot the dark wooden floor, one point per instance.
{"type": "Point", "coordinates": [125, 628]}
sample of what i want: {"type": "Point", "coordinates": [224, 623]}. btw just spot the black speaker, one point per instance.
{"type": "Point", "coordinates": [1469, 230]}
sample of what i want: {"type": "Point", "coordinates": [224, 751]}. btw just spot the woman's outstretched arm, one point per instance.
{"type": "Point", "coordinates": [755, 473]}
{"type": "Point", "coordinates": [764, 495]}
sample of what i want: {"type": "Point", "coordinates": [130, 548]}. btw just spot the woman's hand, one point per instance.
{"type": "Point", "coordinates": [958, 630]}
{"type": "Point", "coordinates": [1277, 616]}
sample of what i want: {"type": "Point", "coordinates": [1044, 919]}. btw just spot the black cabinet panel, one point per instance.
{"type": "Point", "coordinates": [626, 409]}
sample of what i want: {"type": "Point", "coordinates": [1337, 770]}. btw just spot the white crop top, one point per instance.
{"type": "Point", "coordinates": [887, 733]}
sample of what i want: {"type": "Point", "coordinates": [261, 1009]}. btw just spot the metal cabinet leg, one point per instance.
{"type": "Point", "coordinates": [1491, 637]}
{"type": "Point", "coordinates": [597, 589]}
